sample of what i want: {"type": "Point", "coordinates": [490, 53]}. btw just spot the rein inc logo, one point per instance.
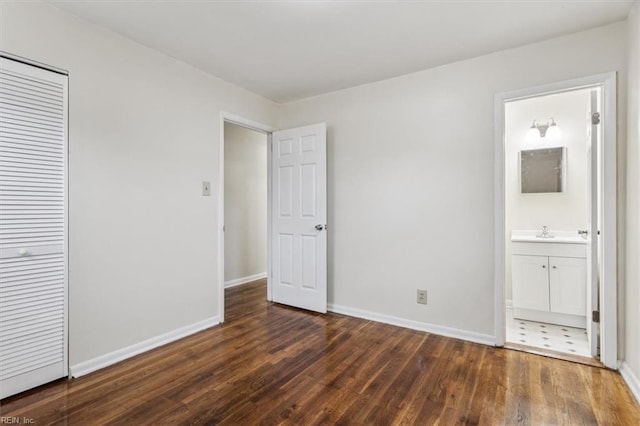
{"type": "Point", "coordinates": [6, 420]}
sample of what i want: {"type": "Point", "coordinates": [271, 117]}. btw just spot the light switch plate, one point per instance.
{"type": "Point", "coordinates": [206, 189]}
{"type": "Point", "coordinates": [422, 297]}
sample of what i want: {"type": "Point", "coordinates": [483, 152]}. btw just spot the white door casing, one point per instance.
{"type": "Point", "coordinates": [299, 217]}
{"type": "Point", "coordinates": [33, 226]}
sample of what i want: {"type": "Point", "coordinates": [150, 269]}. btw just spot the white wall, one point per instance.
{"type": "Point", "coordinates": [632, 296]}
{"type": "Point", "coordinates": [562, 211]}
{"type": "Point", "coordinates": [411, 176]}
{"type": "Point", "coordinates": [245, 202]}
{"type": "Point", "coordinates": [144, 132]}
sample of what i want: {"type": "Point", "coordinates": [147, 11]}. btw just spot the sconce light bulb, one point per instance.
{"type": "Point", "coordinates": [533, 134]}
{"type": "Point", "coordinates": [553, 132]}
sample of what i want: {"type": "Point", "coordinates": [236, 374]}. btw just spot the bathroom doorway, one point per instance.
{"type": "Point", "coordinates": [555, 288]}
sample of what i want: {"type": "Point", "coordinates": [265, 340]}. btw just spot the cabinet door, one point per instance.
{"type": "Point", "coordinates": [530, 282]}
{"type": "Point", "coordinates": [568, 285]}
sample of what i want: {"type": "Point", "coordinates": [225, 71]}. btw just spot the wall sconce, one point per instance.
{"type": "Point", "coordinates": [549, 128]}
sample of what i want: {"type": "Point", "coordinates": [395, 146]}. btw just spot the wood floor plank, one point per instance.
{"type": "Point", "coordinates": [270, 364]}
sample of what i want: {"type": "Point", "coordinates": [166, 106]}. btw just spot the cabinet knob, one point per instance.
{"type": "Point", "coordinates": [554, 266]}
{"type": "Point", "coordinates": [544, 266]}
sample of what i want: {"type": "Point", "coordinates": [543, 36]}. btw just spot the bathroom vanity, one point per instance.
{"type": "Point", "coordinates": [549, 278]}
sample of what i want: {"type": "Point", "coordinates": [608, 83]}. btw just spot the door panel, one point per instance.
{"type": "Point", "coordinates": [286, 259]}
{"type": "Point", "coordinates": [299, 217]}
{"type": "Point", "coordinates": [593, 273]}
{"type": "Point", "coordinates": [309, 262]}
{"type": "Point", "coordinates": [567, 289]}
{"type": "Point", "coordinates": [530, 282]}
{"type": "Point", "coordinates": [33, 262]}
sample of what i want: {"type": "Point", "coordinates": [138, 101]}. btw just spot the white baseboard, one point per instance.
{"type": "Point", "coordinates": [471, 336]}
{"type": "Point", "coordinates": [244, 280]}
{"type": "Point", "coordinates": [631, 379]}
{"type": "Point", "coordinates": [106, 360]}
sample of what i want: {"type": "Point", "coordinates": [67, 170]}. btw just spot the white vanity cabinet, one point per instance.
{"type": "Point", "coordinates": [530, 282]}
{"type": "Point", "coordinates": [568, 285]}
{"type": "Point", "coordinates": [549, 281]}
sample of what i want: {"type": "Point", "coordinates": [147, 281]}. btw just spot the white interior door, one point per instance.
{"type": "Point", "coordinates": [33, 255]}
{"type": "Point", "coordinates": [299, 215]}
{"type": "Point", "coordinates": [593, 275]}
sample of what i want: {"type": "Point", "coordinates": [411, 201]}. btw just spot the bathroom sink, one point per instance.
{"type": "Point", "coordinates": [561, 237]}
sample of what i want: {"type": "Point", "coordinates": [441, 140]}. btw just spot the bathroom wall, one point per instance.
{"type": "Point", "coordinates": [245, 202]}
{"type": "Point", "coordinates": [565, 211]}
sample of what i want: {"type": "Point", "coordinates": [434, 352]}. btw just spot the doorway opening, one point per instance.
{"type": "Point", "coordinates": [245, 205]}
{"type": "Point", "coordinates": [296, 201]}
{"type": "Point", "coordinates": [244, 211]}
{"type": "Point", "coordinates": [546, 219]}
{"type": "Point", "coordinates": [555, 221]}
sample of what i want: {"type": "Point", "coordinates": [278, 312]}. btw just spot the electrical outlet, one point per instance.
{"type": "Point", "coordinates": [206, 189]}
{"type": "Point", "coordinates": [422, 297]}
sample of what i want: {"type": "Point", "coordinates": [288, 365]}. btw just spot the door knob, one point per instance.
{"type": "Point", "coordinates": [319, 227]}
{"type": "Point", "coordinates": [23, 252]}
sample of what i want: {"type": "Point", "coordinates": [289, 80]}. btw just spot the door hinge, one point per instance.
{"type": "Point", "coordinates": [595, 118]}
{"type": "Point", "coordinates": [595, 316]}
{"type": "Point", "coordinates": [224, 228]}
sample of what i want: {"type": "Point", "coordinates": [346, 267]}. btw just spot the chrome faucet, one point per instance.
{"type": "Point", "coordinates": [544, 233]}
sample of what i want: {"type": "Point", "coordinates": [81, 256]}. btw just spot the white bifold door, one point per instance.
{"type": "Point", "coordinates": [299, 217]}
{"type": "Point", "coordinates": [33, 226]}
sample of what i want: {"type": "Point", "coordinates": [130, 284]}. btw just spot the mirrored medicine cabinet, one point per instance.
{"type": "Point", "coordinates": [543, 170]}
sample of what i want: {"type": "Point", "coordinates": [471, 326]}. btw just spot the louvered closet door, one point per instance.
{"type": "Point", "coordinates": [33, 255]}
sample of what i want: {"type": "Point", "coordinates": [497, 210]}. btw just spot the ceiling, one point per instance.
{"type": "Point", "coordinates": [288, 50]}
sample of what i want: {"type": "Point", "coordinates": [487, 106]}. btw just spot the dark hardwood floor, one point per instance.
{"type": "Point", "coordinates": [269, 364]}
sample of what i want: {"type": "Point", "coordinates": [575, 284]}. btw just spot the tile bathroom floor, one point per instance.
{"type": "Point", "coordinates": [560, 338]}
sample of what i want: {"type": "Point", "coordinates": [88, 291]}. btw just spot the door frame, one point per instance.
{"type": "Point", "coordinates": [258, 127]}
{"type": "Point", "coordinates": [608, 209]}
